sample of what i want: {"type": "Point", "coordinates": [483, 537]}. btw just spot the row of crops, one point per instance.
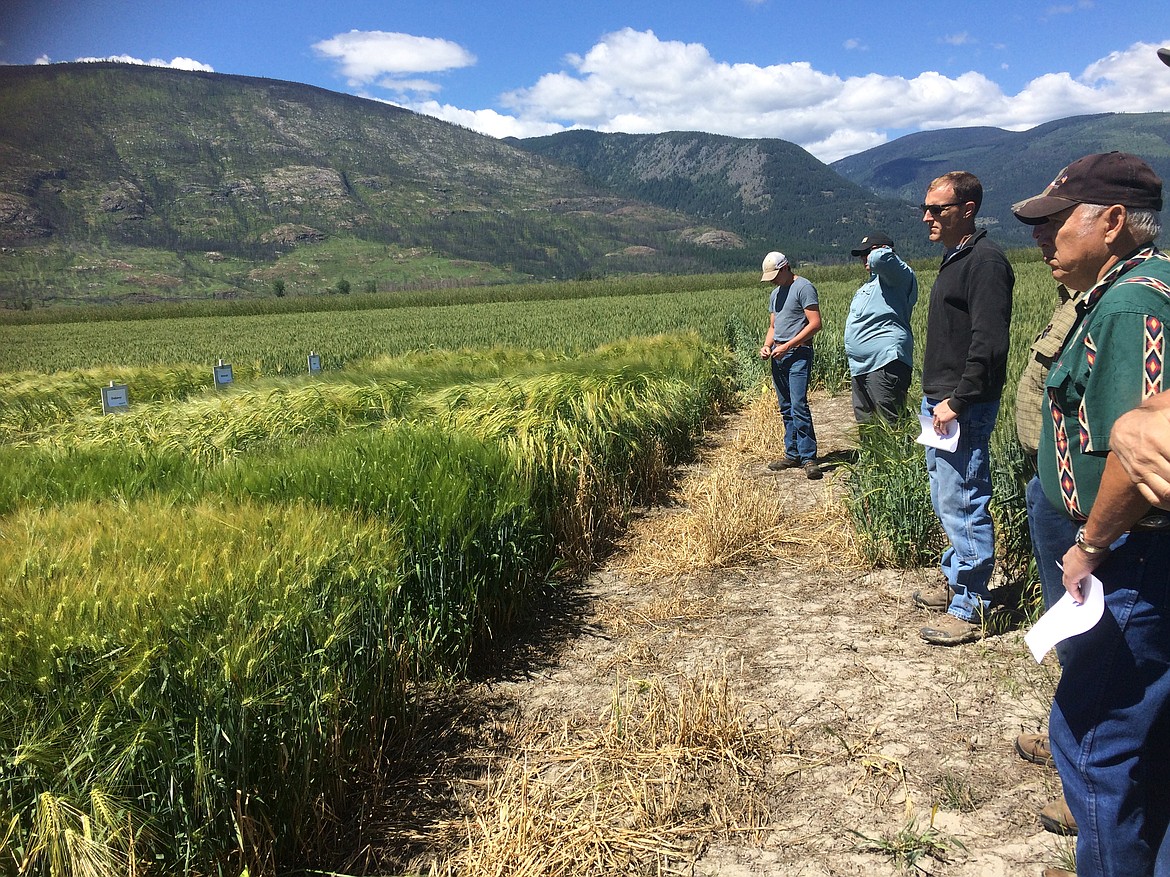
{"type": "Point", "coordinates": [221, 604]}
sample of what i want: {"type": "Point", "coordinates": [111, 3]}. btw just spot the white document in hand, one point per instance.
{"type": "Point", "coordinates": [932, 439]}
{"type": "Point", "coordinates": [1067, 618]}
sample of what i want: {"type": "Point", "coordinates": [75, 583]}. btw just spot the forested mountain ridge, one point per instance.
{"type": "Point", "coordinates": [1012, 165]}
{"type": "Point", "coordinates": [123, 182]}
{"type": "Point", "coordinates": [774, 190]}
{"type": "Point", "coordinates": [767, 190]}
{"type": "Point", "coordinates": [211, 179]}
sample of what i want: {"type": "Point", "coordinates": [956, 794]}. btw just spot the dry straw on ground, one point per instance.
{"type": "Point", "coordinates": [861, 751]}
{"type": "Point", "coordinates": [673, 765]}
{"type": "Point", "coordinates": [677, 762]}
{"type": "Point", "coordinates": [727, 519]}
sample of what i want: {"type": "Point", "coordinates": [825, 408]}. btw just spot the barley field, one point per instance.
{"type": "Point", "coordinates": [222, 604]}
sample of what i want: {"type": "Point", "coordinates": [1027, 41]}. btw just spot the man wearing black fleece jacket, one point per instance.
{"type": "Point", "coordinates": [963, 373]}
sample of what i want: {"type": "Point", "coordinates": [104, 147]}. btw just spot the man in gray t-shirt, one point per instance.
{"type": "Point", "coordinates": [795, 316]}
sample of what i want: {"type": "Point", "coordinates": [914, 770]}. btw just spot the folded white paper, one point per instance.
{"type": "Point", "coordinates": [1067, 618]}
{"type": "Point", "coordinates": [932, 439]}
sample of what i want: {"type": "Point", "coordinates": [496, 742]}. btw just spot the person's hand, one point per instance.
{"type": "Point", "coordinates": [942, 416]}
{"type": "Point", "coordinates": [1141, 441]}
{"type": "Point", "coordinates": [765, 352]}
{"type": "Point", "coordinates": [778, 350]}
{"type": "Point", "coordinates": [1078, 566]}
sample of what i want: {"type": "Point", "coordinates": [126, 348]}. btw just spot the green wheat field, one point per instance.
{"type": "Point", "coordinates": [220, 604]}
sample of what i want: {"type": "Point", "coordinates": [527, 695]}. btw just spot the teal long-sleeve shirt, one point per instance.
{"type": "Point", "coordinates": [877, 330]}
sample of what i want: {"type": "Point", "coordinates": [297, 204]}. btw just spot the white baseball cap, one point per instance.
{"type": "Point", "coordinates": [773, 263]}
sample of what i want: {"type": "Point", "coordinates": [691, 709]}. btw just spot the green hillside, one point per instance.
{"type": "Point", "coordinates": [1011, 164]}
{"type": "Point", "coordinates": [122, 181]}
{"type": "Point", "coordinates": [768, 191]}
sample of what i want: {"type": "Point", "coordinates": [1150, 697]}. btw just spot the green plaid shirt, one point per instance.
{"type": "Point", "coordinates": [1030, 392]}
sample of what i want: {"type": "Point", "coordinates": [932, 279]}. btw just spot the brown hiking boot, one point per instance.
{"type": "Point", "coordinates": [1058, 872]}
{"type": "Point", "coordinates": [951, 631]}
{"type": "Point", "coordinates": [1034, 748]}
{"type": "Point", "coordinates": [1057, 818]}
{"type": "Point", "coordinates": [813, 471]}
{"type": "Point", "coordinates": [936, 599]}
{"type": "Point", "coordinates": [783, 463]}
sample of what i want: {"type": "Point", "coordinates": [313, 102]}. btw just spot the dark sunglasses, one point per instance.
{"type": "Point", "coordinates": [937, 209]}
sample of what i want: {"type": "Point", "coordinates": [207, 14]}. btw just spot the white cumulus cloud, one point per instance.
{"type": "Point", "coordinates": [634, 82]}
{"type": "Point", "coordinates": [488, 122]}
{"type": "Point", "coordinates": [176, 63]}
{"type": "Point", "coordinates": [375, 56]}
{"type": "Point", "coordinates": [408, 86]}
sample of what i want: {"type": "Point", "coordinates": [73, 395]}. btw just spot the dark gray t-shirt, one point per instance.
{"type": "Point", "coordinates": [788, 304]}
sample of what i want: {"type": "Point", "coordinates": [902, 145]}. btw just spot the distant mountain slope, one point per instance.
{"type": "Point", "coordinates": [184, 161]}
{"type": "Point", "coordinates": [1011, 165]}
{"type": "Point", "coordinates": [770, 191]}
{"type": "Point", "coordinates": [124, 182]}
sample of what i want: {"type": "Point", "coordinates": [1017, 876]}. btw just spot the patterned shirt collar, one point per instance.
{"type": "Point", "coordinates": [1116, 271]}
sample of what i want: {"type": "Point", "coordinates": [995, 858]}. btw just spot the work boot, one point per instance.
{"type": "Point", "coordinates": [936, 599]}
{"type": "Point", "coordinates": [1034, 748]}
{"type": "Point", "coordinates": [1057, 818]}
{"type": "Point", "coordinates": [813, 471]}
{"type": "Point", "coordinates": [951, 631]}
{"type": "Point", "coordinates": [783, 463]}
{"type": "Point", "coordinates": [1058, 872]}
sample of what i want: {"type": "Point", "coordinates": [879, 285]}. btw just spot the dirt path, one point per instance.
{"type": "Point", "coordinates": [888, 743]}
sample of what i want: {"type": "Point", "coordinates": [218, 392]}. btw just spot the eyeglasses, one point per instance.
{"type": "Point", "coordinates": [937, 209]}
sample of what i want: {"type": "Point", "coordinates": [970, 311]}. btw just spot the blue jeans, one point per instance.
{"type": "Point", "coordinates": [790, 377]}
{"type": "Point", "coordinates": [1110, 722]}
{"type": "Point", "coordinates": [960, 491]}
{"type": "Point", "coordinates": [1052, 535]}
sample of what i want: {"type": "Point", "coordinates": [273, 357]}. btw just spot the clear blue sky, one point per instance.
{"type": "Point", "coordinates": [835, 76]}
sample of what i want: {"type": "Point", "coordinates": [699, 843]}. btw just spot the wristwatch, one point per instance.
{"type": "Point", "coordinates": [1091, 550]}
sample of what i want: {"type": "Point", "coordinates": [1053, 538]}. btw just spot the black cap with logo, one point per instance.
{"type": "Point", "coordinates": [1106, 178]}
{"type": "Point", "coordinates": [877, 239]}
